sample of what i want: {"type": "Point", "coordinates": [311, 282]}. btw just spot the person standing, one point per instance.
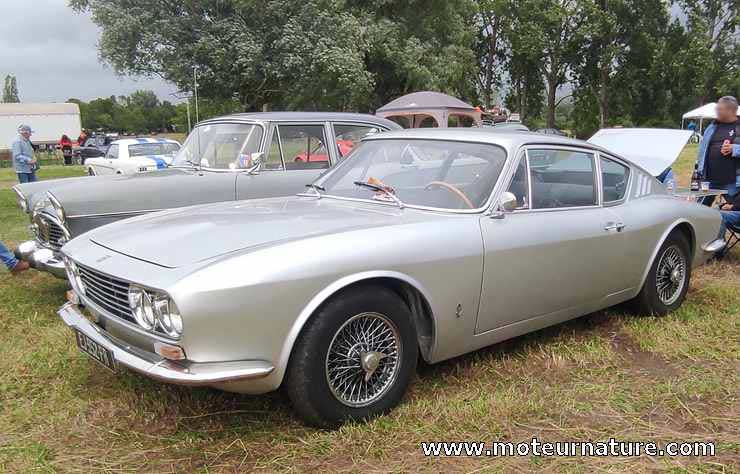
{"type": "Point", "coordinates": [14, 265]}
{"type": "Point", "coordinates": [24, 160]}
{"type": "Point", "coordinates": [66, 146]}
{"type": "Point", "coordinates": [720, 148]}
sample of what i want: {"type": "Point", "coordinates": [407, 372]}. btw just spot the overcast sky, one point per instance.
{"type": "Point", "coordinates": [53, 53]}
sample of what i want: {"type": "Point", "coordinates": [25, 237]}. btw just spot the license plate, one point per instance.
{"type": "Point", "coordinates": [96, 351]}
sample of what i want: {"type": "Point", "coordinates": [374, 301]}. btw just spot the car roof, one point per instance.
{"type": "Point", "coordinates": [503, 137]}
{"type": "Point", "coordinates": [136, 141]}
{"type": "Point", "coordinates": [305, 117]}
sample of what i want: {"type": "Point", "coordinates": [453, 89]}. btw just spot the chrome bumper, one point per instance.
{"type": "Point", "coordinates": [152, 365]}
{"type": "Point", "coordinates": [41, 258]}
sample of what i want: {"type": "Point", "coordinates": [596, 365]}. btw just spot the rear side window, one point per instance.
{"type": "Point", "coordinates": [112, 152]}
{"type": "Point", "coordinates": [614, 179]}
{"type": "Point", "coordinates": [562, 178]}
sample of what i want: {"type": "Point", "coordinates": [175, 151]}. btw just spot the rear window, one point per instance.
{"type": "Point", "coordinates": [144, 149]}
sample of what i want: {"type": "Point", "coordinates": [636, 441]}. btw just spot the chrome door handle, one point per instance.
{"type": "Point", "coordinates": [618, 226]}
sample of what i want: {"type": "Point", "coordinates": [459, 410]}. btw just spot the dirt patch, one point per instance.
{"type": "Point", "coordinates": [643, 362]}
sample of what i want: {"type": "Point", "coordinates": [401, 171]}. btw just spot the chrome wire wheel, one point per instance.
{"type": "Point", "coordinates": [670, 276]}
{"type": "Point", "coordinates": [364, 359]}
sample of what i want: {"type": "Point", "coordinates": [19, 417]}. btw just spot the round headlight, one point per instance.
{"type": "Point", "coordinates": [142, 307]}
{"type": "Point", "coordinates": [168, 316]}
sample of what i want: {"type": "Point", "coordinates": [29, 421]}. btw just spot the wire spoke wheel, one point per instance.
{"type": "Point", "coordinates": [670, 277]}
{"type": "Point", "coordinates": [364, 359]}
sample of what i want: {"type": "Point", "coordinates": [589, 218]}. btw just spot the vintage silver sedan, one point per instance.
{"type": "Point", "coordinates": [428, 243]}
{"type": "Point", "coordinates": [240, 156]}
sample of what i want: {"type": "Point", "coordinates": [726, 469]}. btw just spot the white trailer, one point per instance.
{"type": "Point", "coordinates": [48, 121]}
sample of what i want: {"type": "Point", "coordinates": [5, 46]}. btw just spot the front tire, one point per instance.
{"type": "Point", "coordinates": [354, 358]}
{"type": "Point", "coordinates": [668, 280]}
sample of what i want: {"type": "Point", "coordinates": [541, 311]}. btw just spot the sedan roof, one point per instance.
{"type": "Point", "coordinates": [307, 117]}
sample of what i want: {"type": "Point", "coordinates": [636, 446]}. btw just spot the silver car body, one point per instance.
{"type": "Point", "coordinates": [248, 275]}
{"type": "Point", "coordinates": [91, 202]}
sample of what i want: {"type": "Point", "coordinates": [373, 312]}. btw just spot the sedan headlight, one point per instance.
{"type": "Point", "coordinates": [155, 311]}
{"type": "Point", "coordinates": [58, 209]}
{"type": "Point", "coordinates": [21, 199]}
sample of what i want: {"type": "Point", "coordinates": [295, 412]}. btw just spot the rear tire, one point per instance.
{"type": "Point", "coordinates": [668, 280]}
{"type": "Point", "coordinates": [354, 358]}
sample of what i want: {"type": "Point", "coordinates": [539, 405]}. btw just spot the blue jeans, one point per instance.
{"type": "Point", "coordinates": [729, 218]}
{"type": "Point", "coordinates": [27, 177]}
{"type": "Point", "coordinates": [7, 257]}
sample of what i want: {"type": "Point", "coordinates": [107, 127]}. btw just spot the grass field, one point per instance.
{"type": "Point", "coordinates": [605, 375]}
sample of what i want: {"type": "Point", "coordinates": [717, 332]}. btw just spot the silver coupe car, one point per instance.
{"type": "Point", "coordinates": [429, 243]}
{"type": "Point", "coordinates": [241, 156]}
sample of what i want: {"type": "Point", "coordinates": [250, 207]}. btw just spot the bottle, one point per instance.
{"type": "Point", "coordinates": [695, 181]}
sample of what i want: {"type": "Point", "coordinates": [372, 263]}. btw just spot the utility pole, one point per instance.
{"type": "Point", "coordinates": [195, 89]}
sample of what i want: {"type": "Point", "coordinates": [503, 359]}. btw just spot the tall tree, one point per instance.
{"type": "Point", "coordinates": [489, 46]}
{"type": "Point", "coordinates": [10, 90]}
{"type": "Point", "coordinates": [314, 54]}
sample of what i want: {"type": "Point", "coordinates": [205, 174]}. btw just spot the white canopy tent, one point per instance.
{"type": "Point", "coordinates": [705, 112]}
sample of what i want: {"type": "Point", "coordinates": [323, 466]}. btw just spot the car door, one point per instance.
{"type": "Point", "coordinates": [295, 155]}
{"type": "Point", "coordinates": [547, 257]}
{"type": "Point", "coordinates": [105, 165]}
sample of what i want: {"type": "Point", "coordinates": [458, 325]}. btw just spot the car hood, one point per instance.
{"type": "Point", "coordinates": [143, 192]}
{"type": "Point", "coordinates": [653, 149]}
{"type": "Point", "coordinates": [185, 236]}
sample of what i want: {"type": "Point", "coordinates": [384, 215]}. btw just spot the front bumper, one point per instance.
{"type": "Point", "coordinates": [41, 258]}
{"type": "Point", "coordinates": [152, 365]}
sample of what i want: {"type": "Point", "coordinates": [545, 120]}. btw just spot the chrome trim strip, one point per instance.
{"type": "Point", "coordinates": [153, 366]}
{"type": "Point", "coordinates": [120, 213]}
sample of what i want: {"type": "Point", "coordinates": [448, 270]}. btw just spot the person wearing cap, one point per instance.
{"type": "Point", "coordinates": [720, 148]}
{"type": "Point", "coordinates": [14, 265]}
{"type": "Point", "coordinates": [24, 161]}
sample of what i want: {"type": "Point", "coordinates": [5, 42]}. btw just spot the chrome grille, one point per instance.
{"type": "Point", "coordinates": [50, 232]}
{"type": "Point", "coordinates": [107, 292]}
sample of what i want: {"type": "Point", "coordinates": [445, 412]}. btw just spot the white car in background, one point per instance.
{"type": "Point", "coordinates": [134, 155]}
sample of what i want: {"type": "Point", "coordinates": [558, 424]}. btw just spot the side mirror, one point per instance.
{"type": "Point", "coordinates": [508, 202]}
{"type": "Point", "coordinates": [257, 160]}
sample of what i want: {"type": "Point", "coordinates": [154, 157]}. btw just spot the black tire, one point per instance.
{"type": "Point", "coordinates": [307, 377]}
{"type": "Point", "coordinates": [649, 300]}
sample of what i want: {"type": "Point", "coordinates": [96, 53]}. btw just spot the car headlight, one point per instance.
{"type": "Point", "coordinates": [155, 311]}
{"type": "Point", "coordinates": [21, 199]}
{"type": "Point", "coordinates": [58, 209]}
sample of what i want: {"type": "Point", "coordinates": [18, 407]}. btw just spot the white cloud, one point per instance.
{"type": "Point", "coordinates": [53, 53]}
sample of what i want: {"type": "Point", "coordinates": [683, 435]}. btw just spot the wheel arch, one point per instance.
{"type": "Point", "coordinates": [680, 225]}
{"type": "Point", "coordinates": [411, 292]}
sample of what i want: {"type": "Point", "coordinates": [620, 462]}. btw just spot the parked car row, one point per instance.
{"type": "Point", "coordinates": [134, 155]}
{"type": "Point", "coordinates": [421, 243]}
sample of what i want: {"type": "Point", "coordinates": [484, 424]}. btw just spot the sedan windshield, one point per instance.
{"type": "Point", "coordinates": [221, 146]}
{"type": "Point", "coordinates": [427, 173]}
{"type": "Point", "coordinates": [145, 149]}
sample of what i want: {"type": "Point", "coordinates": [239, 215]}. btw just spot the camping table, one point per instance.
{"type": "Point", "coordinates": [698, 196]}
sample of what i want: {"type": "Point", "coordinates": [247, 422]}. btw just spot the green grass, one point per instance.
{"type": "Point", "coordinates": [605, 375]}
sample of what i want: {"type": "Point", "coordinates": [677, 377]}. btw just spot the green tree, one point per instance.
{"type": "Point", "coordinates": [315, 54]}
{"type": "Point", "coordinates": [10, 90]}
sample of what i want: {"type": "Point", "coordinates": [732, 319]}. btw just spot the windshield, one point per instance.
{"type": "Point", "coordinates": [429, 173]}
{"type": "Point", "coordinates": [221, 146]}
{"type": "Point", "coordinates": [144, 149]}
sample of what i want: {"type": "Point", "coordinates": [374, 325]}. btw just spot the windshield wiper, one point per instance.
{"type": "Point", "coordinates": [381, 189]}
{"type": "Point", "coordinates": [317, 187]}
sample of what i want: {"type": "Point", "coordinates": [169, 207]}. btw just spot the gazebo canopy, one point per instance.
{"type": "Point", "coordinates": [428, 108]}
{"type": "Point", "coordinates": [706, 111]}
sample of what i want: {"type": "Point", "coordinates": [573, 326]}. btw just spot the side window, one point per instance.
{"type": "Point", "coordinates": [520, 184]}
{"type": "Point", "coordinates": [614, 178]}
{"type": "Point", "coordinates": [304, 147]}
{"type": "Point", "coordinates": [112, 153]}
{"type": "Point", "coordinates": [348, 136]}
{"type": "Point", "coordinates": [562, 178]}
{"type": "Point", "coordinates": [274, 159]}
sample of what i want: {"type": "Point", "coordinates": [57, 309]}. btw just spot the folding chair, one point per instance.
{"type": "Point", "coordinates": [733, 239]}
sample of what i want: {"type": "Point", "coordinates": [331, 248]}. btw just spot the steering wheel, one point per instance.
{"type": "Point", "coordinates": [454, 190]}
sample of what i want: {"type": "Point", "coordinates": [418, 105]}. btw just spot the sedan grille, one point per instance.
{"type": "Point", "coordinates": [110, 294]}
{"type": "Point", "coordinates": [50, 232]}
